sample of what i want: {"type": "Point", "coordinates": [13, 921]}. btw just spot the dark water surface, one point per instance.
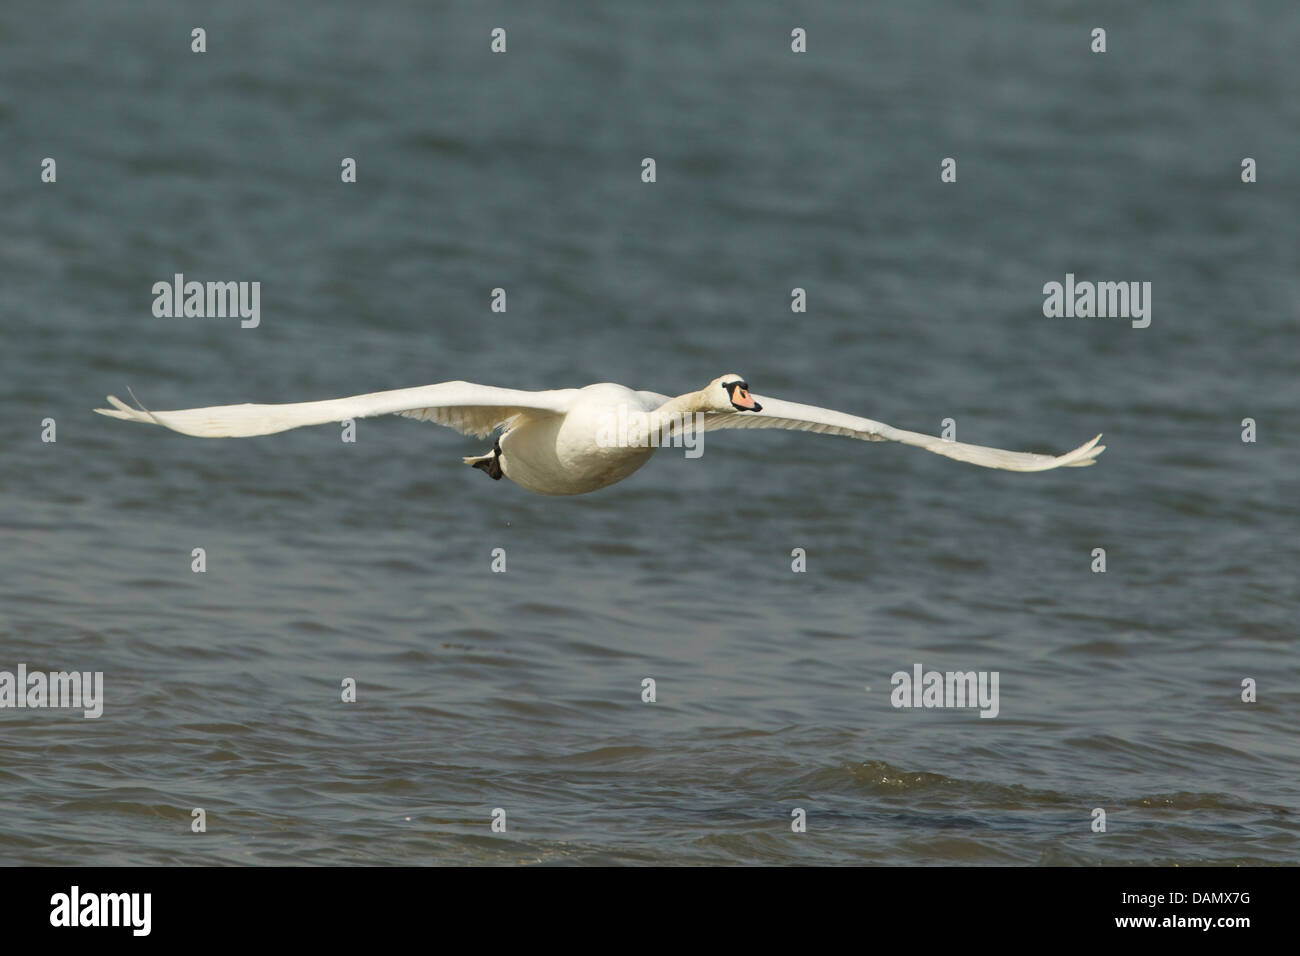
{"type": "Point", "coordinates": [522, 690]}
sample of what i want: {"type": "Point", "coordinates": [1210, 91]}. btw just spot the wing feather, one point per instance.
{"type": "Point", "coordinates": [810, 418]}
{"type": "Point", "coordinates": [470, 409]}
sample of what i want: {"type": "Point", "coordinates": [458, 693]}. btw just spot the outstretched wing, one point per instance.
{"type": "Point", "coordinates": [809, 418]}
{"type": "Point", "coordinates": [468, 408]}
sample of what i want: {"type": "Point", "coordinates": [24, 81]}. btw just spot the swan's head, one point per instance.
{"type": "Point", "coordinates": [730, 393]}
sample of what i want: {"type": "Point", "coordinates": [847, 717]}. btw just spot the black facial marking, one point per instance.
{"type": "Point", "coordinates": [731, 394]}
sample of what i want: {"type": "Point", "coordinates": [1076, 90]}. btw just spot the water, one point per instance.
{"type": "Point", "coordinates": [522, 690]}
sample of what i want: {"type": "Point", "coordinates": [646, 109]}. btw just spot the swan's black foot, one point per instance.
{"type": "Point", "coordinates": [490, 463]}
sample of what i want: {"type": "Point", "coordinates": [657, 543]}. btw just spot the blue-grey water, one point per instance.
{"type": "Point", "coordinates": [522, 690]}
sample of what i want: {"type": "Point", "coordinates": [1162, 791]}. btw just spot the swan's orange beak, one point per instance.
{"type": "Point", "coordinates": [742, 400]}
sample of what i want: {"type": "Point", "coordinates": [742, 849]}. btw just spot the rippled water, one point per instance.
{"type": "Point", "coordinates": [522, 690]}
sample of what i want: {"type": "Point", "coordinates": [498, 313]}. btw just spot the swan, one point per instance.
{"type": "Point", "coordinates": [563, 441]}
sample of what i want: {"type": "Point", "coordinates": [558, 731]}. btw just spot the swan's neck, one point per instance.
{"type": "Point", "coordinates": [683, 405]}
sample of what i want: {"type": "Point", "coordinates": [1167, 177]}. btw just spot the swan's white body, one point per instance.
{"type": "Point", "coordinates": [559, 454]}
{"type": "Point", "coordinates": [552, 444]}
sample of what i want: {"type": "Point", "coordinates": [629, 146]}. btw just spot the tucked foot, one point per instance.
{"type": "Point", "coordinates": [491, 462]}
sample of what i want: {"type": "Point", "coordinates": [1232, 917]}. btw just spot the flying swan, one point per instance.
{"type": "Point", "coordinates": [570, 441]}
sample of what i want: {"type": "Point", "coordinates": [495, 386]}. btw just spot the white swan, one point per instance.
{"type": "Point", "coordinates": [557, 442]}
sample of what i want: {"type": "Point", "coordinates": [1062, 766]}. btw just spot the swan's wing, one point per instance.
{"type": "Point", "coordinates": [810, 418]}
{"type": "Point", "coordinates": [468, 408]}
